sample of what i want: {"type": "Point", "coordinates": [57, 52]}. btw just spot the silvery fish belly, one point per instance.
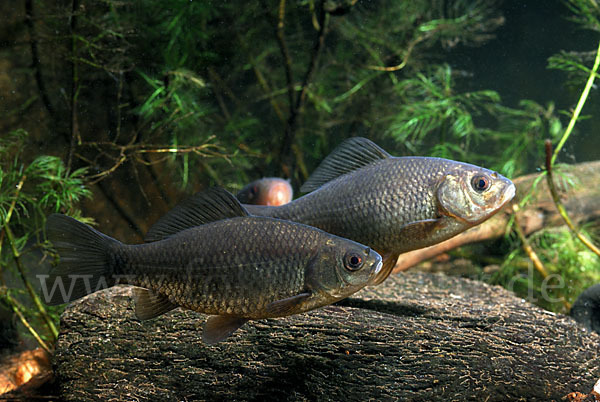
{"type": "Point", "coordinates": [232, 265]}
{"type": "Point", "coordinates": [394, 204]}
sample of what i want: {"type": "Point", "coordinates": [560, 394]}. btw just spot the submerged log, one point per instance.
{"type": "Point", "coordinates": [416, 337]}
{"type": "Point", "coordinates": [578, 185]}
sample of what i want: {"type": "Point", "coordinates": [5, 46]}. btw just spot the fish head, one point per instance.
{"type": "Point", "coordinates": [342, 267]}
{"type": "Point", "coordinates": [472, 194]}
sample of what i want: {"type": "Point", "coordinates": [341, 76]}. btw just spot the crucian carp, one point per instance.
{"type": "Point", "coordinates": [232, 266]}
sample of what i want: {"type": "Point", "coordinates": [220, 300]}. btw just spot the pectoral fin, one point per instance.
{"type": "Point", "coordinates": [389, 262]}
{"type": "Point", "coordinates": [288, 306]}
{"type": "Point", "coordinates": [413, 230]}
{"type": "Point", "coordinates": [149, 304]}
{"type": "Point", "coordinates": [420, 229]}
{"type": "Point", "coordinates": [219, 327]}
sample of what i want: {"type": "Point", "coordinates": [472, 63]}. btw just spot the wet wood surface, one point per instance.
{"type": "Point", "coordinates": [418, 336]}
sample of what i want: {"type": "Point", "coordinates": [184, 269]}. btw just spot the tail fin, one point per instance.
{"type": "Point", "coordinates": [85, 264]}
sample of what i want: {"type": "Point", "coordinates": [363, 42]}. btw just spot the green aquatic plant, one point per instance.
{"type": "Point", "coordinates": [29, 191]}
{"type": "Point", "coordinates": [289, 72]}
{"type": "Point", "coordinates": [436, 119]}
{"type": "Point", "coordinates": [570, 268]}
{"type": "Point", "coordinates": [575, 258]}
{"type": "Point", "coordinates": [271, 87]}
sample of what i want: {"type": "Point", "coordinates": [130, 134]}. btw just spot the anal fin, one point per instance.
{"type": "Point", "coordinates": [389, 262]}
{"type": "Point", "coordinates": [150, 305]}
{"type": "Point", "coordinates": [219, 327]}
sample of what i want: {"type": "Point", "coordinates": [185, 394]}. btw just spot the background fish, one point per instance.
{"type": "Point", "coordinates": [272, 191]}
{"type": "Point", "coordinates": [233, 266]}
{"type": "Point", "coordinates": [393, 204]}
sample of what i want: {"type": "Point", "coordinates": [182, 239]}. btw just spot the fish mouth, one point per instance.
{"type": "Point", "coordinates": [378, 267]}
{"type": "Point", "coordinates": [375, 271]}
{"type": "Point", "coordinates": [509, 194]}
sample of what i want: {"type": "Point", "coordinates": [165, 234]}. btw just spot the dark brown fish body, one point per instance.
{"type": "Point", "coordinates": [215, 269]}
{"type": "Point", "coordinates": [235, 266]}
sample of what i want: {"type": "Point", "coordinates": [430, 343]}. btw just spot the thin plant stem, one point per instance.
{"type": "Point", "coordinates": [17, 257]}
{"type": "Point", "coordinates": [577, 111]}
{"type": "Point", "coordinates": [74, 86]}
{"type": "Point", "coordinates": [28, 286]}
{"type": "Point", "coordinates": [407, 54]}
{"type": "Point", "coordinates": [35, 59]}
{"type": "Point", "coordinates": [285, 53]}
{"type": "Point", "coordinates": [561, 209]}
{"type": "Point", "coordinates": [537, 263]}
{"type": "Point", "coordinates": [296, 110]}
{"type": "Point", "coordinates": [7, 219]}
{"type": "Point", "coordinates": [14, 304]}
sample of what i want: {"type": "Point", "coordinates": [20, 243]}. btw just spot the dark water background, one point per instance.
{"type": "Point", "coordinates": [515, 65]}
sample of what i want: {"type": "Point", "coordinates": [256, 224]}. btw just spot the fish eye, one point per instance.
{"type": "Point", "coordinates": [480, 183]}
{"type": "Point", "coordinates": [353, 261]}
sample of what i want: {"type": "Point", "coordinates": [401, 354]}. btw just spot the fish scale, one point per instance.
{"type": "Point", "coordinates": [211, 264]}
{"type": "Point", "coordinates": [384, 194]}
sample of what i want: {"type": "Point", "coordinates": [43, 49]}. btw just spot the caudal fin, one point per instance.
{"type": "Point", "coordinates": [84, 265]}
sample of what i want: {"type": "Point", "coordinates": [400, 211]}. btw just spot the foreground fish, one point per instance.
{"type": "Point", "coordinates": [271, 191]}
{"type": "Point", "coordinates": [233, 266]}
{"type": "Point", "coordinates": [393, 204]}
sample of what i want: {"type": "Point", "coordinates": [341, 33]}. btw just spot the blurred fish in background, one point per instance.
{"type": "Point", "coordinates": [271, 191]}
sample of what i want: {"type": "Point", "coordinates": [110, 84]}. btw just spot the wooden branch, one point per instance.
{"type": "Point", "coordinates": [416, 337]}
{"type": "Point", "coordinates": [75, 135]}
{"type": "Point", "coordinates": [35, 61]}
{"type": "Point", "coordinates": [581, 202]}
{"type": "Point", "coordinates": [296, 109]}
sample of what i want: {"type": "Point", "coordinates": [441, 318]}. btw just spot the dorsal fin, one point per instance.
{"type": "Point", "coordinates": [350, 155]}
{"type": "Point", "coordinates": [207, 206]}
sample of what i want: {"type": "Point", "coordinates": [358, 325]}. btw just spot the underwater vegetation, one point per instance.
{"type": "Point", "coordinates": [125, 106]}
